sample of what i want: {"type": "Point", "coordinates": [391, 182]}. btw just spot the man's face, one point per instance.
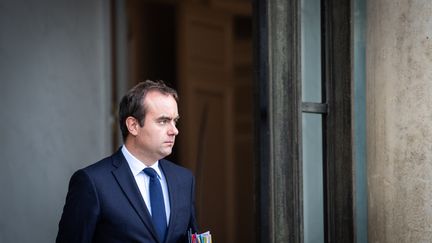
{"type": "Point", "coordinates": [155, 139]}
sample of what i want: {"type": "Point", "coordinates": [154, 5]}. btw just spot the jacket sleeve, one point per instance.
{"type": "Point", "coordinates": [192, 222]}
{"type": "Point", "coordinates": [80, 212]}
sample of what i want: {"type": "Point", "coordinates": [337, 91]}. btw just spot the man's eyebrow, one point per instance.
{"type": "Point", "coordinates": [164, 117]}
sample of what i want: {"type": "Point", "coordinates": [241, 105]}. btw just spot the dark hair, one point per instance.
{"type": "Point", "coordinates": [132, 104]}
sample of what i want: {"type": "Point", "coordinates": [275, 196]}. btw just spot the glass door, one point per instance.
{"type": "Point", "coordinates": [312, 122]}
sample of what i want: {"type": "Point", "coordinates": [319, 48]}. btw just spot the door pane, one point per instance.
{"type": "Point", "coordinates": [313, 200]}
{"type": "Point", "coordinates": [311, 50]}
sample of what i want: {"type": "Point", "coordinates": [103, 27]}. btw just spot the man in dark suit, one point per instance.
{"type": "Point", "coordinates": [134, 195]}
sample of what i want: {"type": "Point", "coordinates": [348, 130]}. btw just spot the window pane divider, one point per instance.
{"type": "Point", "coordinates": [311, 107]}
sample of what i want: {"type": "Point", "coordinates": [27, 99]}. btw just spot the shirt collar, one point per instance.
{"type": "Point", "coordinates": [136, 165]}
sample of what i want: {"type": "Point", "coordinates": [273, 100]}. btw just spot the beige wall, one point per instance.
{"type": "Point", "coordinates": [399, 120]}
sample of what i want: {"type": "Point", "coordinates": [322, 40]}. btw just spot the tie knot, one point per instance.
{"type": "Point", "coordinates": [151, 172]}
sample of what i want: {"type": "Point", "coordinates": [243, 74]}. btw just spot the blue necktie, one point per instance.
{"type": "Point", "coordinates": [157, 203]}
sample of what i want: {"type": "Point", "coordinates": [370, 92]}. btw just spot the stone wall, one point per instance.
{"type": "Point", "coordinates": [399, 120]}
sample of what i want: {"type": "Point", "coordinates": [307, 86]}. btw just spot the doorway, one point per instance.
{"type": "Point", "coordinates": [204, 50]}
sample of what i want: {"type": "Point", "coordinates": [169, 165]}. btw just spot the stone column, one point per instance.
{"type": "Point", "coordinates": [399, 120]}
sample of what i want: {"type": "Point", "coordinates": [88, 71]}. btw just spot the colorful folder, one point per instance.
{"type": "Point", "coordinates": [199, 238]}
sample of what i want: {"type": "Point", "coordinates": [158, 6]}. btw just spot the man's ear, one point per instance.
{"type": "Point", "coordinates": [132, 125]}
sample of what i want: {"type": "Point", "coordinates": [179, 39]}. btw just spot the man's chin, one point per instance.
{"type": "Point", "coordinates": [166, 153]}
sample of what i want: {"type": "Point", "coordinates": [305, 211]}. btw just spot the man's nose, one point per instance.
{"type": "Point", "coordinates": [173, 129]}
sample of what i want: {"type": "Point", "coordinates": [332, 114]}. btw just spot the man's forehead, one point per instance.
{"type": "Point", "coordinates": [154, 96]}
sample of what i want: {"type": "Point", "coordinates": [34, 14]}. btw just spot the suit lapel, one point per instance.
{"type": "Point", "coordinates": [125, 179]}
{"type": "Point", "coordinates": [171, 179]}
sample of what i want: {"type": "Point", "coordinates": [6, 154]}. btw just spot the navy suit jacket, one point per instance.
{"type": "Point", "coordinates": [104, 204]}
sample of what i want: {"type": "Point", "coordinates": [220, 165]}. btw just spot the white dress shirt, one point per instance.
{"type": "Point", "coordinates": [143, 180]}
